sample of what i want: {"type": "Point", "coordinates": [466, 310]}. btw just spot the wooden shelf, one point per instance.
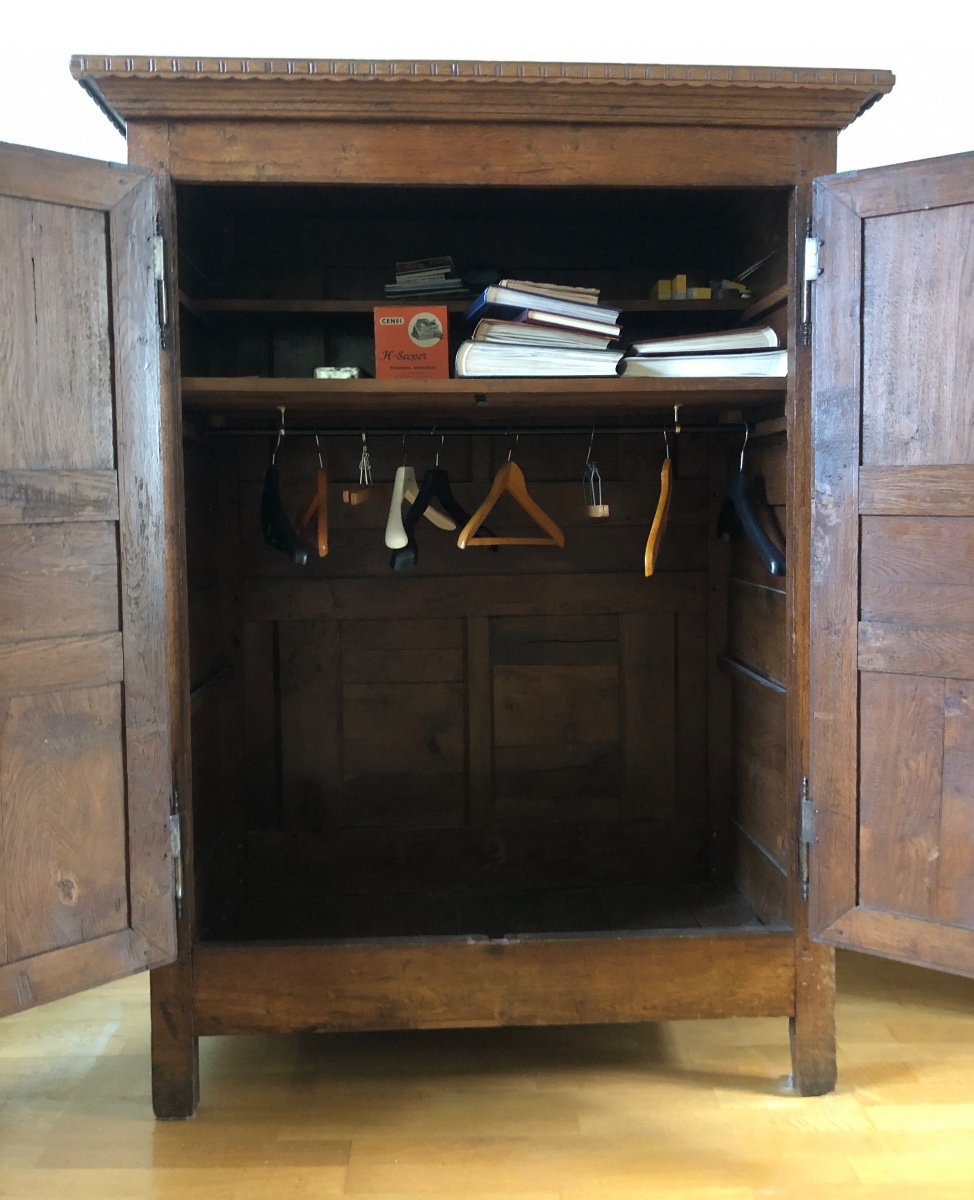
{"type": "Point", "coordinates": [466, 401]}
{"type": "Point", "coordinates": [461, 305]}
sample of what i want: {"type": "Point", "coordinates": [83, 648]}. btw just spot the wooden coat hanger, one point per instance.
{"type": "Point", "coordinates": [661, 518]}
{"type": "Point", "coordinates": [510, 480]}
{"type": "Point", "coordinates": [317, 505]}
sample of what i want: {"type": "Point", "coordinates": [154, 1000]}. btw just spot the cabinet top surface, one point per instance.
{"type": "Point", "coordinates": [190, 88]}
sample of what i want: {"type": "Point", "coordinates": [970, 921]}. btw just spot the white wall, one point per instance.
{"type": "Point", "coordinates": [930, 111]}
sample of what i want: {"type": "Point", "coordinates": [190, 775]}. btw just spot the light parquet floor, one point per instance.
{"type": "Point", "coordinates": [688, 1110]}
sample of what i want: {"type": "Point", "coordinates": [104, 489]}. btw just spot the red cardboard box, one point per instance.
{"type": "Point", "coordinates": [412, 343]}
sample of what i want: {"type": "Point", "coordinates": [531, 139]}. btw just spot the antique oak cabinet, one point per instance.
{"type": "Point", "coordinates": [521, 786]}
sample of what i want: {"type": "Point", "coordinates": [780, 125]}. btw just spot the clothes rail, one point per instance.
{"type": "Point", "coordinates": [498, 431]}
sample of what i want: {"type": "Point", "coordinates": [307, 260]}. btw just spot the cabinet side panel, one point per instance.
{"type": "Point", "coordinates": [757, 642]}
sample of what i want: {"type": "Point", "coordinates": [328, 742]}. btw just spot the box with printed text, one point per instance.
{"type": "Point", "coordinates": [412, 343]}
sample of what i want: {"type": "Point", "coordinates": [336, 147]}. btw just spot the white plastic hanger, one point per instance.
{"type": "Point", "coordinates": [405, 489]}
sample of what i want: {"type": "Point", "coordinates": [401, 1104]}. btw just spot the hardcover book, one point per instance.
{"type": "Point", "coordinates": [499, 297]}
{"type": "Point", "coordinates": [752, 337]}
{"type": "Point", "coordinates": [773, 363]}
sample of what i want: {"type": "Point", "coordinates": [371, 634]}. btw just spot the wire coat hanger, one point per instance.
{"type": "Point", "coordinates": [510, 480]}
{"type": "Point", "coordinates": [365, 490]}
{"type": "Point", "coordinates": [592, 485]}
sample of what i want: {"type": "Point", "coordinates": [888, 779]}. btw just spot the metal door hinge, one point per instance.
{"type": "Point", "coordinates": [812, 270]}
{"type": "Point", "coordinates": [159, 273]}
{"type": "Point", "coordinates": [806, 837]}
{"type": "Point", "coordinates": [176, 850]}
{"type": "Point", "coordinates": [813, 267]}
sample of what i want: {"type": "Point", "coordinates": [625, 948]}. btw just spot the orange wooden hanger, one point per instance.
{"type": "Point", "coordinates": [510, 479]}
{"type": "Point", "coordinates": [318, 504]}
{"type": "Point", "coordinates": [661, 519]}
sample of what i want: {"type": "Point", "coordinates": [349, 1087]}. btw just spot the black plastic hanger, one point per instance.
{"type": "Point", "coordinates": [744, 491]}
{"type": "Point", "coordinates": [274, 522]}
{"type": "Point", "coordinates": [435, 486]}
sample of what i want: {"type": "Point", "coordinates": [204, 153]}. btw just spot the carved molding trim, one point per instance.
{"type": "Point", "coordinates": [188, 88]}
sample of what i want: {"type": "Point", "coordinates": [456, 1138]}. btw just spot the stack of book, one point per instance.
{"type": "Point", "coordinates": [427, 277]}
{"type": "Point", "coordinates": [732, 352]}
{"type": "Point", "coordinates": [539, 329]}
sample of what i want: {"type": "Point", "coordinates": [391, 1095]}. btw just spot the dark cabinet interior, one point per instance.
{"type": "Point", "coordinates": [497, 743]}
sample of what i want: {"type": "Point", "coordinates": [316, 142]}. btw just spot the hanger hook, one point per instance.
{"type": "Point", "coordinates": [321, 464]}
{"type": "Point", "coordinates": [666, 442]}
{"type": "Point", "coordinates": [365, 464]}
{"type": "Point", "coordinates": [439, 447]}
{"type": "Point", "coordinates": [280, 434]}
{"type": "Point", "coordinates": [591, 443]}
{"type": "Point", "coordinates": [403, 449]}
{"type": "Point", "coordinates": [747, 434]}
{"type": "Point", "coordinates": [513, 444]}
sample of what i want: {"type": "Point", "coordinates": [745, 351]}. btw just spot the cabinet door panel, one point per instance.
{"type": "Point", "coordinates": [892, 733]}
{"type": "Point", "coordinates": [86, 889]}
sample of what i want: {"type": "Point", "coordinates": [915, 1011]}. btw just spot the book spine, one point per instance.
{"type": "Point", "coordinates": [424, 276]}
{"type": "Point", "coordinates": [414, 266]}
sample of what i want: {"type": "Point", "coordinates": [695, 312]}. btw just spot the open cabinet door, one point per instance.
{"type": "Point", "coordinates": [892, 634]}
{"type": "Point", "coordinates": [86, 870]}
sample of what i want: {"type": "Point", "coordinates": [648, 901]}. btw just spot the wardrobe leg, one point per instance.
{"type": "Point", "coordinates": [175, 1046]}
{"type": "Point", "coordinates": [812, 1028]}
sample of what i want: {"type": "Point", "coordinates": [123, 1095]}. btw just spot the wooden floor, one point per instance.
{"type": "Point", "coordinates": [696, 1110]}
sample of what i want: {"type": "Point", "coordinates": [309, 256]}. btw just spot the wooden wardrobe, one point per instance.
{"type": "Point", "coordinates": [522, 786]}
